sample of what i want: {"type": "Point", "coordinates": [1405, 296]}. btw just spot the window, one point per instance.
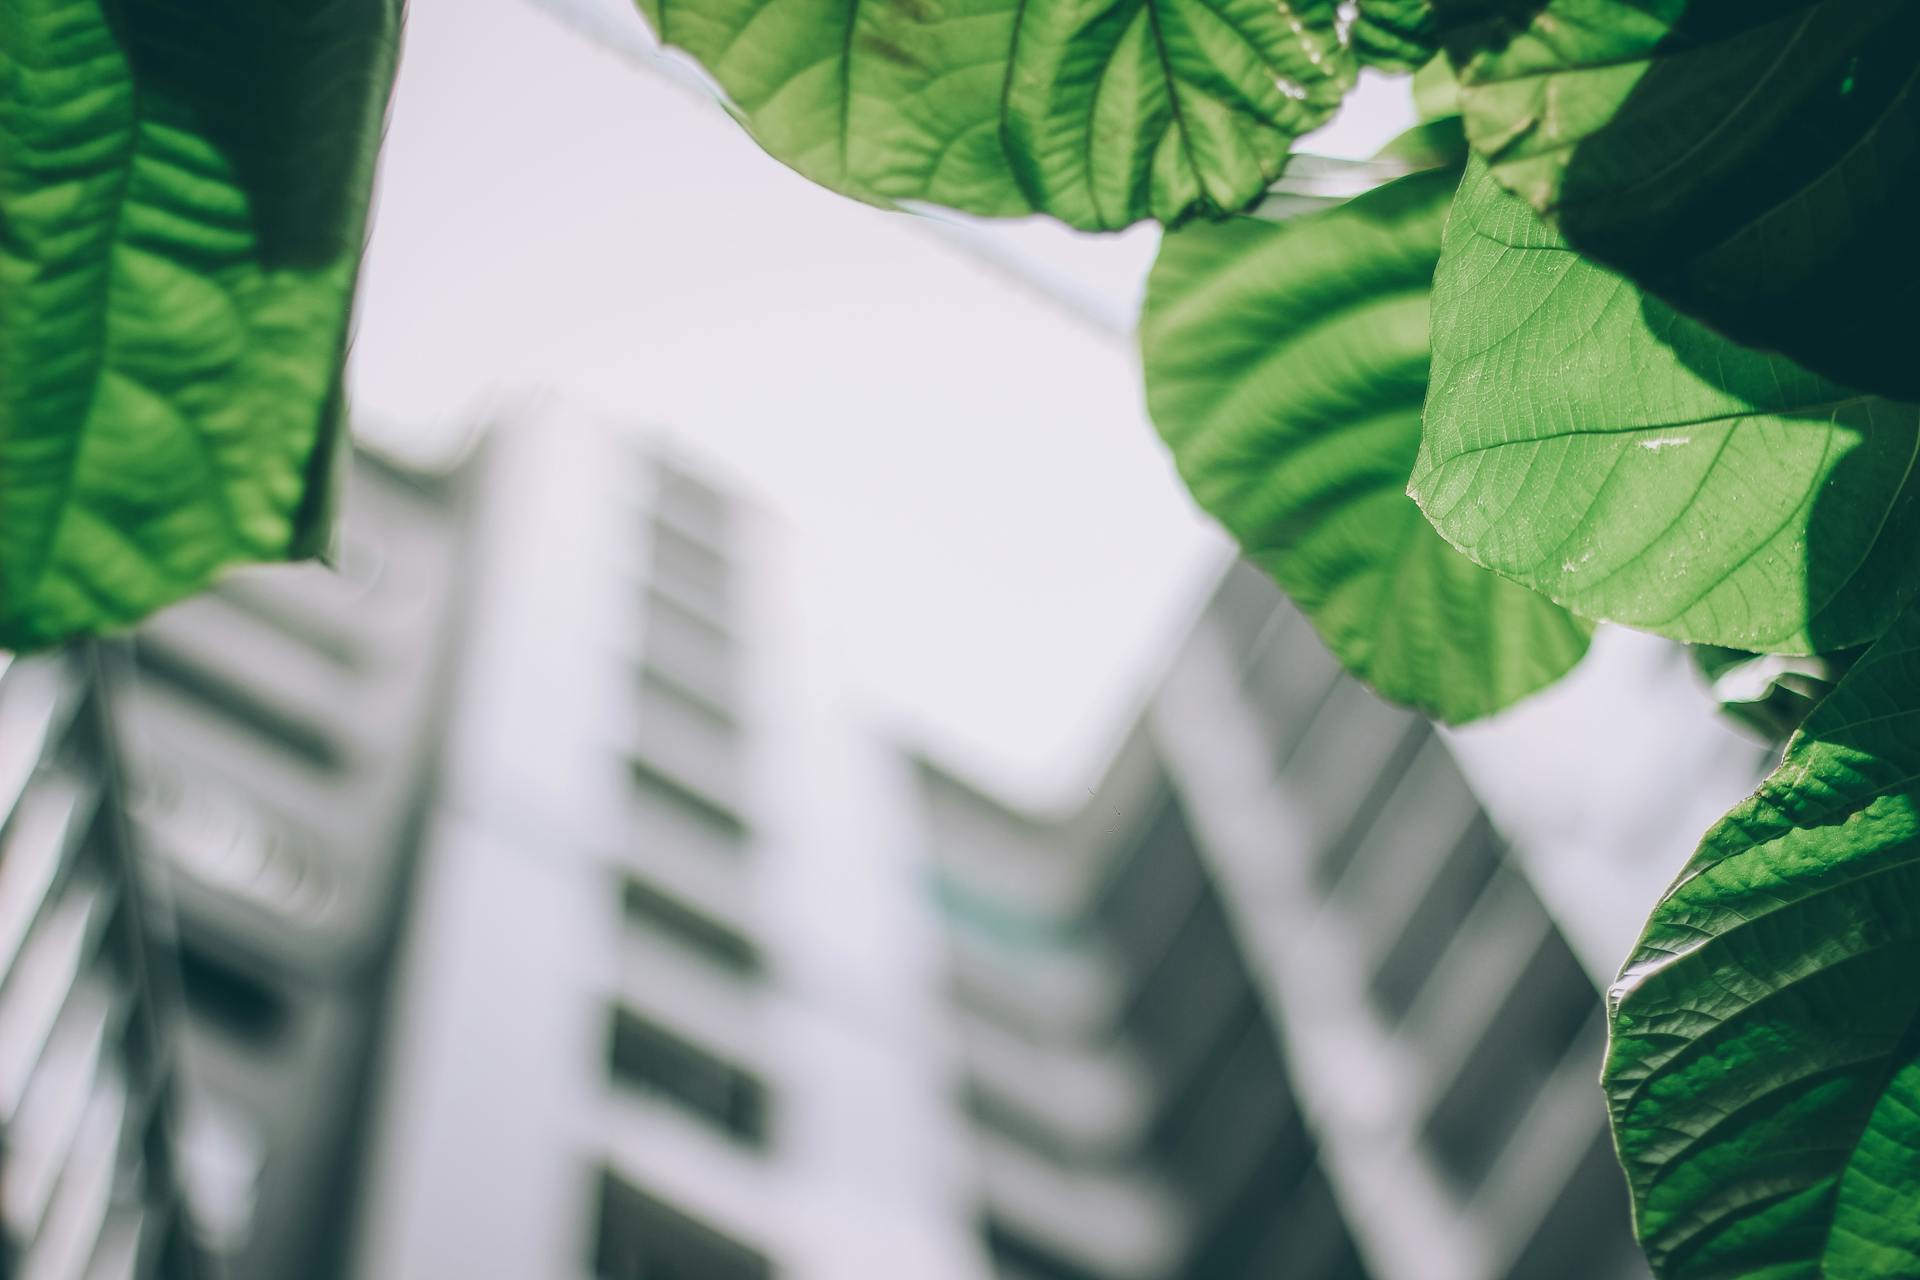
{"type": "Point", "coordinates": [665, 695]}
{"type": "Point", "coordinates": [1230, 1121]}
{"type": "Point", "coordinates": [1285, 1222]}
{"type": "Point", "coordinates": [648, 908]}
{"type": "Point", "coordinates": [691, 810]}
{"type": "Point", "coordinates": [231, 997]}
{"type": "Point", "coordinates": [255, 709]}
{"type": "Point", "coordinates": [1151, 890]}
{"type": "Point", "coordinates": [1588, 1233]}
{"type": "Point", "coordinates": [649, 1057]}
{"type": "Point", "coordinates": [1290, 677]}
{"type": "Point", "coordinates": [1442, 909]}
{"type": "Point", "coordinates": [691, 570]}
{"type": "Point", "coordinates": [1247, 610]}
{"type": "Point", "coordinates": [1552, 1000]}
{"type": "Point", "coordinates": [692, 504]}
{"type": "Point", "coordinates": [688, 649]}
{"type": "Point", "coordinates": [1017, 1254]}
{"type": "Point", "coordinates": [695, 734]}
{"type": "Point", "coordinates": [1182, 1005]}
{"type": "Point", "coordinates": [1014, 1123]}
{"type": "Point", "coordinates": [1353, 763]}
{"type": "Point", "coordinates": [642, 1238]}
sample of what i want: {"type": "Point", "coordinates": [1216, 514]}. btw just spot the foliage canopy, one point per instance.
{"type": "Point", "coordinates": [1637, 346]}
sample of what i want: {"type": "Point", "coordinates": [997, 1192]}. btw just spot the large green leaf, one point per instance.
{"type": "Point", "coordinates": [1395, 35]}
{"type": "Point", "coordinates": [1634, 465]}
{"type": "Point", "coordinates": [183, 192]}
{"type": "Point", "coordinates": [1285, 365]}
{"type": "Point", "coordinates": [1756, 162]}
{"type": "Point", "coordinates": [1100, 112]}
{"type": "Point", "coordinates": [1764, 1074]}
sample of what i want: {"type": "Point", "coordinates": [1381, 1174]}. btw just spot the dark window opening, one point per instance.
{"type": "Point", "coordinates": [686, 800]}
{"type": "Point", "coordinates": [1469, 869]}
{"type": "Point", "coordinates": [1015, 1253]}
{"type": "Point", "coordinates": [642, 1238]}
{"type": "Point", "coordinates": [1588, 1233]}
{"type": "Point", "coordinates": [1543, 1017]}
{"type": "Point", "coordinates": [649, 908]}
{"type": "Point", "coordinates": [229, 996]}
{"type": "Point", "coordinates": [692, 570]}
{"type": "Point", "coordinates": [1146, 898]}
{"type": "Point", "coordinates": [246, 707]}
{"type": "Point", "coordinates": [661, 687]}
{"type": "Point", "coordinates": [649, 1057]}
{"type": "Point", "coordinates": [692, 504]}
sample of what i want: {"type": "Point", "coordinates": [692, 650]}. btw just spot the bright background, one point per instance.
{"type": "Point", "coordinates": [948, 416]}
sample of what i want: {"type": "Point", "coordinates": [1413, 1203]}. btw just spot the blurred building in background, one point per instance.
{"type": "Point", "coordinates": [281, 734]}
{"type": "Point", "coordinates": [536, 908]}
{"type": "Point", "coordinates": [665, 1012]}
{"type": "Point", "coordinates": [1134, 1115]}
{"type": "Point", "coordinates": [88, 1189]}
{"type": "Point", "coordinates": [1275, 1001]}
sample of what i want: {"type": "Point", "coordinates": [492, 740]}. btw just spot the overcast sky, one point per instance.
{"type": "Point", "coordinates": [967, 460]}
{"type": "Point", "coordinates": [963, 456]}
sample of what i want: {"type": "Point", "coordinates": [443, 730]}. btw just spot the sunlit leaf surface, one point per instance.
{"type": "Point", "coordinates": [1764, 1075]}
{"type": "Point", "coordinates": [1286, 363]}
{"type": "Point", "coordinates": [1586, 440]}
{"type": "Point", "coordinates": [1100, 114]}
{"type": "Point", "coordinates": [183, 191]}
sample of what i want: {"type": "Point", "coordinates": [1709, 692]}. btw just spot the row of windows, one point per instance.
{"type": "Point", "coordinates": [1442, 908]}
{"type": "Point", "coordinates": [1530, 1035]}
{"type": "Point", "coordinates": [681, 774]}
{"type": "Point", "coordinates": [684, 776]}
{"type": "Point", "coordinates": [87, 1162]}
{"type": "Point", "coordinates": [1225, 1131]}
{"type": "Point", "coordinates": [1406, 853]}
{"type": "Point", "coordinates": [688, 759]}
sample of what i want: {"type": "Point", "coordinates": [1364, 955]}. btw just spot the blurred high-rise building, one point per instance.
{"type": "Point", "coordinates": [665, 1009]}
{"type": "Point", "coordinates": [281, 735]}
{"type": "Point", "coordinates": [526, 902]}
{"type": "Point", "coordinates": [207, 846]}
{"type": "Point", "coordinates": [88, 1177]}
{"type": "Point", "coordinates": [1275, 1001]}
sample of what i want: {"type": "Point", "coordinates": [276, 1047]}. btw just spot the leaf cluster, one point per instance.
{"type": "Point", "coordinates": [1632, 345]}
{"type": "Point", "coordinates": [1629, 337]}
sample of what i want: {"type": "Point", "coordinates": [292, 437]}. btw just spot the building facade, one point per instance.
{"type": "Point", "coordinates": [527, 903]}
{"type": "Point", "coordinates": [664, 1010]}
{"type": "Point", "coordinates": [1283, 937]}
{"type": "Point", "coordinates": [89, 1185]}
{"type": "Point", "coordinates": [281, 735]}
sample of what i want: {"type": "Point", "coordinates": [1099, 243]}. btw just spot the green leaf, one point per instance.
{"type": "Point", "coordinates": [1102, 114]}
{"type": "Point", "coordinates": [1764, 1072]}
{"type": "Point", "coordinates": [1755, 162]}
{"type": "Point", "coordinates": [1591, 443]}
{"type": "Point", "coordinates": [1395, 35]}
{"type": "Point", "coordinates": [1285, 365]}
{"type": "Point", "coordinates": [1436, 91]}
{"type": "Point", "coordinates": [183, 192]}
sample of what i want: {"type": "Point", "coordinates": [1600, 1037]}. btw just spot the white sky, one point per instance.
{"type": "Point", "coordinates": [967, 460]}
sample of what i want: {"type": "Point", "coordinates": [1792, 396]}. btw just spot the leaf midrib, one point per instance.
{"type": "Point", "coordinates": [69, 480]}
{"type": "Point", "coordinates": [1832, 406]}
